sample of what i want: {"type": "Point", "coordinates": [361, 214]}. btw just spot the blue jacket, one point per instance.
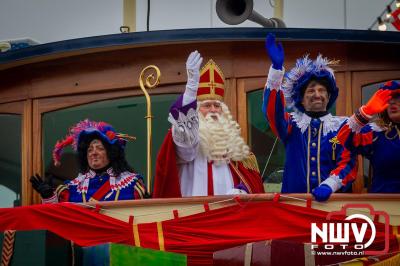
{"type": "Point", "coordinates": [381, 146]}
{"type": "Point", "coordinates": [311, 145]}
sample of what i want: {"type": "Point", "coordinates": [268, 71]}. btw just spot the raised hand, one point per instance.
{"type": "Point", "coordinates": [42, 187]}
{"type": "Point", "coordinates": [193, 64]}
{"type": "Point", "coordinates": [378, 102]}
{"type": "Point", "coordinates": [274, 51]}
{"type": "Point", "coordinates": [322, 193]}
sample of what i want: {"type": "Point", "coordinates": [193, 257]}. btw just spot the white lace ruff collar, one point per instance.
{"type": "Point", "coordinates": [330, 123]}
{"type": "Point", "coordinates": [116, 182]}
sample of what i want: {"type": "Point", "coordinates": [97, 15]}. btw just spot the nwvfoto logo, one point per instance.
{"type": "Point", "coordinates": [340, 232]}
{"type": "Point", "coordinates": [332, 233]}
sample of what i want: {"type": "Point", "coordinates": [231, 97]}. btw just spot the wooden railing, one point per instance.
{"type": "Point", "coordinates": [150, 210]}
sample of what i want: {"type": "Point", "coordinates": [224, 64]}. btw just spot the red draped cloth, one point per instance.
{"type": "Point", "coordinates": [166, 181]}
{"type": "Point", "coordinates": [197, 235]}
{"type": "Point", "coordinates": [202, 234]}
{"type": "Point", "coordinates": [73, 222]}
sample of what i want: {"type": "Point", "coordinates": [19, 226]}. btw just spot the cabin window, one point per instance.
{"type": "Point", "coordinates": [10, 160]}
{"type": "Point", "coordinates": [126, 115]}
{"type": "Point", "coordinates": [261, 142]}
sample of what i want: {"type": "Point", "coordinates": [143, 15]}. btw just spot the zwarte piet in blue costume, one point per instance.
{"type": "Point", "coordinates": [296, 107]}
{"type": "Point", "coordinates": [104, 173]}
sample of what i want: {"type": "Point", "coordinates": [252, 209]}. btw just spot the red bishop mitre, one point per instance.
{"type": "Point", "coordinates": [212, 83]}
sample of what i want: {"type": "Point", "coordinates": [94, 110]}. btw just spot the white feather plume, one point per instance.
{"type": "Point", "coordinates": [303, 66]}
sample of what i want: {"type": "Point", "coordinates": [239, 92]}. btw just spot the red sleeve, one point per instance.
{"type": "Point", "coordinates": [250, 178]}
{"type": "Point", "coordinates": [63, 196]}
{"type": "Point", "coordinates": [274, 112]}
{"type": "Point", "coordinates": [166, 180]}
{"type": "Point", "coordinates": [139, 190]}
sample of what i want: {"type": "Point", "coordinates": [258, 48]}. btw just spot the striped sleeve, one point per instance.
{"type": "Point", "coordinates": [345, 171]}
{"type": "Point", "coordinates": [52, 199]}
{"type": "Point", "coordinates": [140, 189]}
{"type": "Point", "coordinates": [273, 106]}
{"type": "Point", "coordinates": [356, 137]}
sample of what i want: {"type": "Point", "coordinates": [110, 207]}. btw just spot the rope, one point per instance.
{"type": "Point", "coordinates": [269, 157]}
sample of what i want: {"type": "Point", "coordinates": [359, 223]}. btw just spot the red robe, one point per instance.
{"type": "Point", "coordinates": [167, 181]}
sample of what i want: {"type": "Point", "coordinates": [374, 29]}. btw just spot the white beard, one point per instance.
{"type": "Point", "coordinates": [220, 140]}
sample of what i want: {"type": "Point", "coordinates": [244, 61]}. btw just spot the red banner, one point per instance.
{"type": "Point", "coordinates": [197, 235]}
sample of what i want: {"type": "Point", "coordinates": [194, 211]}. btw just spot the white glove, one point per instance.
{"type": "Point", "coordinates": [193, 64]}
{"type": "Point", "coordinates": [235, 191]}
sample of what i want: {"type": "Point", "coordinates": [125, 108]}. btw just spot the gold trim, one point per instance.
{"type": "Point", "coordinates": [206, 84]}
{"type": "Point", "coordinates": [308, 159]}
{"type": "Point", "coordinates": [212, 86]}
{"type": "Point", "coordinates": [334, 142]}
{"type": "Point", "coordinates": [318, 153]}
{"type": "Point", "coordinates": [83, 197]}
{"type": "Point", "coordinates": [251, 163]}
{"type": "Point", "coordinates": [139, 191]}
{"type": "Point", "coordinates": [206, 97]}
{"type": "Point", "coordinates": [160, 236]}
{"type": "Point", "coordinates": [60, 189]}
{"type": "Point", "coordinates": [117, 195]}
{"type": "Point", "coordinates": [140, 187]}
{"type": "Point", "coordinates": [241, 177]}
{"type": "Point", "coordinates": [136, 235]}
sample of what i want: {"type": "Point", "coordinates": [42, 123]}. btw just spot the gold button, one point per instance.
{"type": "Point", "coordinates": [313, 173]}
{"type": "Point", "coordinates": [313, 144]}
{"type": "Point", "coordinates": [312, 158]}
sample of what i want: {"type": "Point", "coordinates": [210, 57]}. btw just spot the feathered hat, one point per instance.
{"type": "Point", "coordinates": [212, 82]}
{"type": "Point", "coordinates": [88, 129]}
{"type": "Point", "coordinates": [297, 78]}
{"type": "Point", "coordinates": [392, 85]}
